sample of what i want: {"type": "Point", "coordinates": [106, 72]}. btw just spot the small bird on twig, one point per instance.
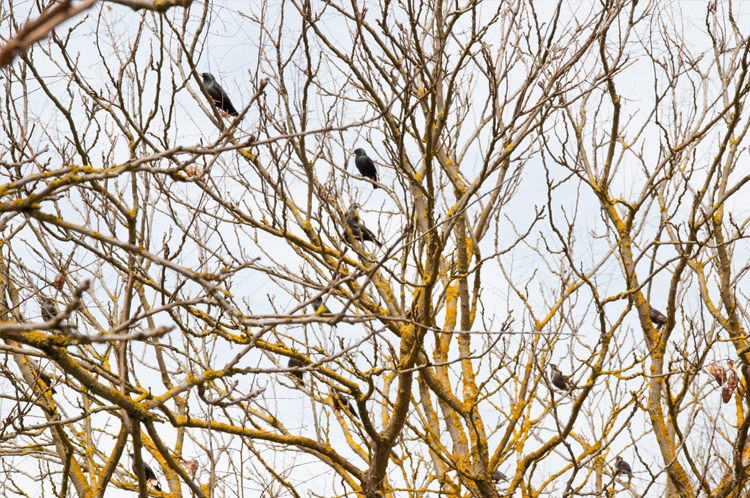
{"type": "Point", "coordinates": [622, 467]}
{"type": "Point", "coordinates": [47, 381]}
{"type": "Point", "coordinates": [295, 363]}
{"type": "Point", "coordinates": [342, 403]}
{"type": "Point", "coordinates": [358, 228]}
{"type": "Point", "coordinates": [151, 479]}
{"type": "Point", "coordinates": [218, 95]}
{"type": "Point", "coordinates": [366, 167]}
{"type": "Point", "coordinates": [49, 310]}
{"type": "Point", "coordinates": [559, 380]}
{"type": "Point", "coordinates": [320, 308]}
{"type": "Point", "coordinates": [498, 476]}
{"type": "Point", "coordinates": [657, 317]}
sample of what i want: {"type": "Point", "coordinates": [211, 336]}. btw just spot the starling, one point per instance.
{"type": "Point", "coordinates": [341, 402]}
{"type": "Point", "coordinates": [151, 479]}
{"type": "Point", "coordinates": [295, 363]}
{"type": "Point", "coordinates": [498, 476]}
{"type": "Point", "coordinates": [622, 467]}
{"type": "Point", "coordinates": [320, 308]}
{"type": "Point", "coordinates": [366, 167]}
{"type": "Point", "coordinates": [559, 380]}
{"type": "Point", "coordinates": [359, 230]}
{"type": "Point", "coordinates": [49, 310]}
{"type": "Point", "coordinates": [657, 317]}
{"type": "Point", "coordinates": [47, 382]}
{"type": "Point", "coordinates": [219, 96]}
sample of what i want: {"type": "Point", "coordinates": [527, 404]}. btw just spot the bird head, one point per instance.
{"type": "Point", "coordinates": [353, 210]}
{"type": "Point", "coordinates": [618, 459]}
{"type": "Point", "coordinates": [553, 366]}
{"type": "Point", "coordinates": [359, 152]}
{"type": "Point", "coordinates": [207, 78]}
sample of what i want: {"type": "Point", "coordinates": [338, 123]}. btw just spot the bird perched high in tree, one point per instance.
{"type": "Point", "coordinates": [358, 228]}
{"type": "Point", "coordinates": [559, 380]}
{"type": "Point", "coordinates": [498, 476]}
{"type": "Point", "coordinates": [151, 479]}
{"type": "Point", "coordinates": [657, 317]}
{"type": "Point", "coordinates": [622, 467]}
{"type": "Point", "coordinates": [49, 310]}
{"type": "Point", "coordinates": [366, 167]}
{"type": "Point", "coordinates": [295, 363]}
{"type": "Point", "coordinates": [341, 402]}
{"type": "Point", "coordinates": [320, 308]}
{"type": "Point", "coordinates": [47, 381]}
{"type": "Point", "coordinates": [218, 95]}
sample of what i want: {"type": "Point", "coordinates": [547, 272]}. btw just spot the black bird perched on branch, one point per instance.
{"type": "Point", "coordinates": [498, 476]}
{"type": "Point", "coordinates": [341, 402]}
{"type": "Point", "coordinates": [49, 310]}
{"type": "Point", "coordinates": [295, 363]}
{"type": "Point", "coordinates": [217, 93]}
{"type": "Point", "coordinates": [657, 317]}
{"type": "Point", "coordinates": [622, 467]}
{"type": "Point", "coordinates": [359, 230]}
{"type": "Point", "coordinates": [47, 380]}
{"type": "Point", "coordinates": [151, 479]}
{"type": "Point", "coordinates": [559, 380]}
{"type": "Point", "coordinates": [320, 308]}
{"type": "Point", "coordinates": [366, 167]}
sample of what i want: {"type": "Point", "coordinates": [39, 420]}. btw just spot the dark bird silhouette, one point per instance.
{"type": "Point", "coordinates": [559, 380]}
{"type": "Point", "coordinates": [657, 317]}
{"type": "Point", "coordinates": [320, 308]}
{"type": "Point", "coordinates": [47, 381]}
{"type": "Point", "coordinates": [151, 479]}
{"type": "Point", "coordinates": [366, 167]}
{"type": "Point", "coordinates": [295, 363]}
{"type": "Point", "coordinates": [358, 228]}
{"type": "Point", "coordinates": [217, 93]}
{"type": "Point", "coordinates": [498, 476]}
{"type": "Point", "coordinates": [622, 467]}
{"type": "Point", "coordinates": [341, 402]}
{"type": "Point", "coordinates": [49, 310]}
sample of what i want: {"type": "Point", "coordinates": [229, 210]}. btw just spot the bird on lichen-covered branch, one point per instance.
{"type": "Point", "coordinates": [366, 167]}
{"type": "Point", "coordinates": [218, 95]}
{"type": "Point", "coordinates": [358, 228]}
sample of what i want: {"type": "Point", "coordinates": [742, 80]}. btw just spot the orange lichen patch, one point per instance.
{"type": "Point", "coordinates": [302, 442]}
{"type": "Point", "coordinates": [469, 245]}
{"type": "Point", "coordinates": [451, 306]}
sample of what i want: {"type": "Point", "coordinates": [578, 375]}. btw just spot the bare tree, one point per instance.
{"type": "Point", "coordinates": [224, 305]}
